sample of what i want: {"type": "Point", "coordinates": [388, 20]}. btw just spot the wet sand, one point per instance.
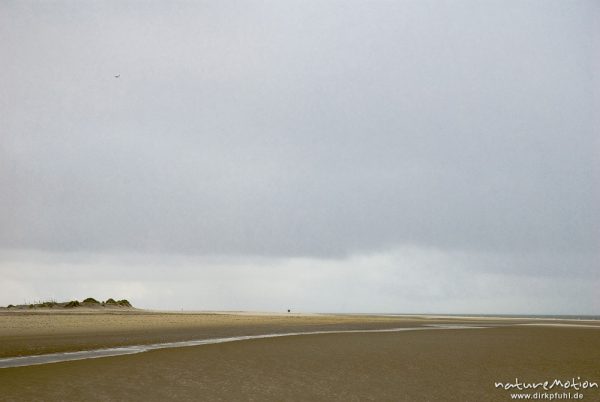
{"type": "Point", "coordinates": [431, 365]}
{"type": "Point", "coordinates": [40, 332]}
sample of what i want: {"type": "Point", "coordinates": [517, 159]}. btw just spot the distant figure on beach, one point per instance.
{"type": "Point", "coordinates": [289, 310]}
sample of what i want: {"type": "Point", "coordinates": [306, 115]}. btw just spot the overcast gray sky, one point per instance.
{"type": "Point", "coordinates": [409, 156]}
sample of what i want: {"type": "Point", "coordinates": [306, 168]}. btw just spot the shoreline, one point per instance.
{"type": "Point", "coordinates": [134, 310]}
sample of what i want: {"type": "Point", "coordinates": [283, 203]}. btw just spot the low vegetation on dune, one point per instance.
{"type": "Point", "coordinates": [122, 303]}
{"type": "Point", "coordinates": [89, 302]}
{"type": "Point", "coordinates": [73, 303]}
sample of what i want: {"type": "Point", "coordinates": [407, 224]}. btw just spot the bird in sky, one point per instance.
{"type": "Point", "coordinates": [117, 76]}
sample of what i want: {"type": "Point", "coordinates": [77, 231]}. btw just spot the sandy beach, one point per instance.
{"type": "Point", "coordinates": [421, 365]}
{"type": "Point", "coordinates": [48, 331]}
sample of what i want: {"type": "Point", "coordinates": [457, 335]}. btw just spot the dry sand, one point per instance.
{"type": "Point", "coordinates": [441, 364]}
